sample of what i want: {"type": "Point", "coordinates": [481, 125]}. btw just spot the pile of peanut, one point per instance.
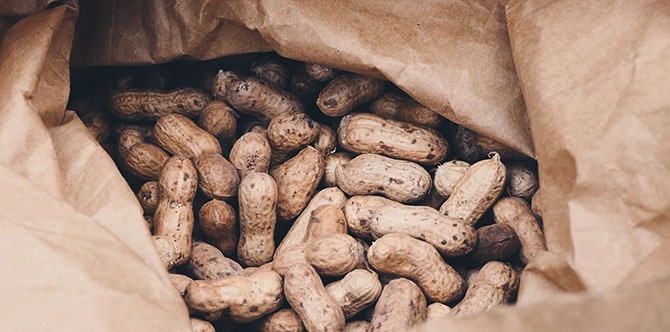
{"type": "Point", "coordinates": [289, 196]}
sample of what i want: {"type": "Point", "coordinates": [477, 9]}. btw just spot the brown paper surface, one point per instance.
{"type": "Point", "coordinates": [75, 249]}
{"type": "Point", "coordinates": [453, 56]}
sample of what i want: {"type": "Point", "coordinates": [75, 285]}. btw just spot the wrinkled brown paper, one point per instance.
{"type": "Point", "coordinates": [594, 77]}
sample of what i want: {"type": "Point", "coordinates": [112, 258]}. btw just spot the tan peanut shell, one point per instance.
{"type": "Point", "coordinates": [401, 305]}
{"type": "Point", "coordinates": [359, 211]}
{"type": "Point", "coordinates": [284, 260]}
{"type": "Point", "coordinates": [437, 310]}
{"type": "Point", "coordinates": [306, 294]}
{"type": "Point", "coordinates": [173, 219]}
{"type": "Point", "coordinates": [331, 163]}
{"type": "Point", "coordinates": [495, 284]}
{"type": "Point", "coordinates": [199, 325]}
{"type": "Point", "coordinates": [208, 262]}
{"type": "Point", "coordinates": [284, 320]}
{"type": "Point", "coordinates": [495, 242]}
{"type": "Point", "coordinates": [319, 72]}
{"type": "Point", "coordinates": [127, 139]}
{"type": "Point", "coordinates": [447, 175]}
{"type": "Point", "coordinates": [397, 106]}
{"type": "Point", "coordinates": [272, 71]}
{"type": "Point", "coordinates": [148, 196]}
{"type": "Point", "coordinates": [257, 201]}
{"type": "Point", "coordinates": [181, 136]}
{"type": "Point", "coordinates": [357, 326]}
{"type": "Point", "coordinates": [218, 119]}
{"type": "Point", "coordinates": [217, 177]}
{"type": "Point", "coordinates": [326, 141]}
{"type": "Point", "coordinates": [151, 105]}
{"type": "Point", "coordinates": [399, 180]}
{"type": "Point", "coordinates": [297, 179]}
{"type": "Point", "coordinates": [369, 133]}
{"type": "Point", "coordinates": [261, 99]}
{"type": "Point", "coordinates": [345, 92]}
{"type": "Point", "coordinates": [451, 237]}
{"type": "Point", "coordinates": [335, 255]}
{"type": "Point", "coordinates": [251, 153]}
{"type": "Point", "coordinates": [222, 83]}
{"type": "Point", "coordinates": [476, 191]}
{"type": "Point", "coordinates": [288, 132]}
{"type": "Point", "coordinates": [535, 204]}
{"type": "Point", "coordinates": [218, 221]}
{"type": "Point", "coordinates": [145, 131]}
{"type": "Point", "coordinates": [473, 147]}
{"type": "Point", "coordinates": [145, 160]}
{"type": "Point", "coordinates": [180, 282]}
{"type": "Point", "coordinates": [246, 298]}
{"type": "Point", "coordinates": [521, 181]}
{"type": "Point", "coordinates": [403, 255]}
{"type": "Point", "coordinates": [355, 291]}
{"type": "Point", "coordinates": [299, 229]}
{"type": "Point", "coordinates": [515, 212]}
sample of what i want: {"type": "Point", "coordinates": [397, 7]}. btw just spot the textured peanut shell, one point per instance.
{"type": "Point", "coordinates": [320, 73]}
{"type": "Point", "coordinates": [476, 191]}
{"type": "Point", "coordinates": [272, 71]}
{"type": "Point", "coordinates": [413, 112]}
{"type": "Point", "coordinates": [251, 153]}
{"type": "Point", "coordinates": [218, 119]}
{"type": "Point", "coordinates": [355, 291]}
{"type": "Point", "coordinates": [495, 242]}
{"type": "Point", "coordinates": [289, 256]}
{"type": "Point", "coordinates": [388, 104]}
{"type": "Point", "coordinates": [208, 262]}
{"type": "Point", "coordinates": [306, 294]}
{"type": "Point", "coordinates": [257, 201]}
{"type": "Point", "coordinates": [369, 133]}
{"type": "Point", "coordinates": [357, 326]}
{"type": "Point", "coordinates": [217, 177]}
{"type": "Point", "coordinates": [403, 255]}
{"type": "Point", "coordinates": [495, 284]}
{"type": "Point", "coordinates": [399, 180]}
{"type": "Point", "coordinates": [148, 196]}
{"type": "Point", "coordinates": [218, 221]}
{"type": "Point", "coordinates": [401, 305]}
{"type": "Point", "coordinates": [359, 210]}
{"type": "Point", "coordinates": [335, 255]}
{"type": "Point", "coordinates": [180, 282]}
{"type": "Point", "coordinates": [515, 212]}
{"type": "Point", "coordinates": [332, 162]}
{"type": "Point", "coordinates": [222, 83]}
{"type": "Point", "coordinates": [521, 181]}
{"type": "Point", "coordinates": [151, 105]}
{"type": "Point", "coordinates": [451, 237]}
{"type": "Point", "coordinates": [325, 221]}
{"type": "Point", "coordinates": [326, 141]}
{"type": "Point", "coordinates": [437, 310]}
{"type": "Point", "coordinates": [297, 179]}
{"type": "Point", "coordinates": [536, 205]}
{"type": "Point", "coordinates": [181, 136]}
{"type": "Point", "coordinates": [447, 175]}
{"type": "Point", "coordinates": [246, 298]}
{"type": "Point", "coordinates": [305, 87]}
{"type": "Point", "coordinates": [289, 132]}
{"type": "Point", "coordinates": [284, 320]}
{"type": "Point", "coordinates": [146, 160]}
{"type": "Point", "coordinates": [473, 147]}
{"type": "Point", "coordinates": [199, 325]}
{"type": "Point", "coordinates": [127, 139]}
{"type": "Point", "coordinates": [173, 219]}
{"type": "Point", "coordinates": [299, 229]}
{"type": "Point", "coordinates": [145, 131]}
{"type": "Point", "coordinates": [261, 99]}
{"type": "Point", "coordinates": [345, 92]}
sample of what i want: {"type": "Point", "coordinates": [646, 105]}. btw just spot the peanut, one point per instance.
{"type": "Point", "coordinates": [521, 180]}
{"type": "Point", "coordinates": [272, 71]}
{"type": "Point", "coordinates": [319, 72]}
{"type": "Point", "coordinates": [181, 136]}
{"type": "Point", "coordinates": [356, 291]}
{"type": "Point", "coordinates": [495, 284]}
{"type": "Point", "coordinates": [257, 207]}
{"type": "Point", "coordinates": [326, 141]}
{"type": "Point", "coordinates": [495, 242]}
{"type": "Point", "coordinates": [447, 175]}
{"type": "Point", "coordinates": [218, 178]}
{"type": "Point", "coordinates": [148, 196]}
{"type": "Point", "coordinates": [345, 92]}
{"type": "Point", "coordinates": [476, 191]}
{"type": "Point", "coordinates": [331, 163]}
{"type": "Point", "coordinates": [219, 119]}
{"type": "Point", "coordinates": [515, 212]}
{"type": "Point", "coordinates": [127, 139]}
{"type": "Point", "coordinates": [218, 221]}
{"type": "Point", "coordinates": [199, 325]}
{"type": "Point", "coordinates": [335, 255]}
{"type": "Point", "coordinates": [473, 147]}
{"type": "Point", "coordinates": [305, 87]}
{"type": "Point", "coordinates": [297, 179]}
{"type": "Point", "coordinates": [397, 106]}
{"type": "Point", "coordinates": [261, 99]}
{"type": "Point", "coordinates": [222, 82]}
{"type": "Point", "coordinates": [359, 211]}
{"type": "Point", "coordinates": [399, 180]}
{"type": "Point", "coordinates": [151, 105]}
{"type": "Point", "coordinates": [357, 326]}
{"type": "Point", "coordinates": [369, 133]}
{"type": "Point", "coordinates": [288, 132]}
{"type": "Point", "coordinates": [284, 320]}
{"type": "Point", "coordinates": [246, 298]}
{"type": "Point", "coordinates": [207, 262]}
{"type": "Point", "coordinates": [308, 297]}
{"type": "Point", "coordinates": [536, 205]}
{"type": "Point", "coordinates": [145, 160]}
{"type": "Point", "coordinates": [251, 153]}
{"type": "Point", "coordinates": [451, 237]}
{"type": "Point", "coordinates": [437, 310]}
{"type": "Point", "coordinates": [401, 305]}
{"type": "Point", "coordinates": [403, 255]}
{"type": "Point", "coordinates": [180, 282]}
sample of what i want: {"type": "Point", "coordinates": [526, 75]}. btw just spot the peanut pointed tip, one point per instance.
{"type": "Point", "coordinates": [494, 155]}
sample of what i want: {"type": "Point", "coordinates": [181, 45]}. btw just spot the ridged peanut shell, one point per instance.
{"type": "Point", "coordinates": [181, 136]}
{"type": "Point", "coordinates": [297, 179]}
{"type": "Point", "coordinates": [495, 284]}
{"type": "Point", "coordinates": [355, 291]}
{"type": "Point", "coordinates": [345, 92]}
{"type": "Point", "coordinates": [151, 105]}
{"type": "Point", "coordinates": [515, 212]}
{"type": "Point", "coordinates": [400, 306]}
